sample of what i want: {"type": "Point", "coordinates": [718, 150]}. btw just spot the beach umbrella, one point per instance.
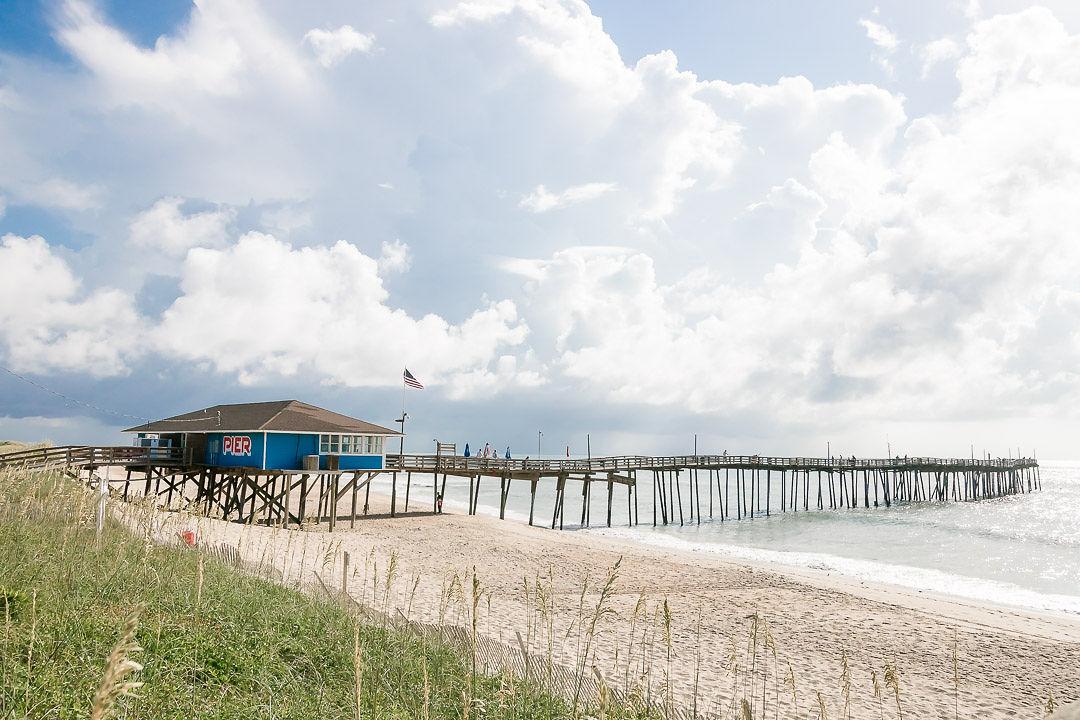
{"type": "Point", "coordinates": [507, 452]}
{"type": "Point", "coordinates": [467, 453]}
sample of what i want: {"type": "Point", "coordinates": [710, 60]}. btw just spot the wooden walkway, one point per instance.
{"type": "Point", "coordinates": [736, 487]}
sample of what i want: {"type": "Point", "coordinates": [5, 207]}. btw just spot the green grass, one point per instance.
{"type": "Point", "coordinates": [249, 648]}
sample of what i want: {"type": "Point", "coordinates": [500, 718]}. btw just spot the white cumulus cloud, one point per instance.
{"type": "Point", "coordinates": [48, 323]}
{"type": "Point", "coordinates": [880, 35]}
{"type": "Point", "coordinates": [936, 52]}
{"type": "Point", "coordinates": [321, 310]}
{"type": "Point", "coordinates": [165, 227]}
{"type": "Point", "coordinates": [333, 46]}
{"type": "Point", "coordinates": [542, 200]}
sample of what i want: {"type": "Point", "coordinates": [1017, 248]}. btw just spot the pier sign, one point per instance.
{"type": "Point", "coordinates": [236, 445]}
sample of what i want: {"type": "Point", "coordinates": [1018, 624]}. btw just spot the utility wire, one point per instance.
{"type": "Point", "coordinates": [107, 411]}
{"type": "Point", "coordinates": [70, 399]}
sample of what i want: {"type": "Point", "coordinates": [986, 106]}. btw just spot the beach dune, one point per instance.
{"type": "Point", "coordinates": [827, 635]}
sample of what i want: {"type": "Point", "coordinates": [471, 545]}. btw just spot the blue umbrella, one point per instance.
{"type": "Point", "coordinates": [507, 452]}
{"type": "Point", "coordinates": [467, 453]}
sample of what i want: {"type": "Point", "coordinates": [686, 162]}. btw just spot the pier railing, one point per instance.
{"type": "Point", "coordinates": [743, 486]}
{"type": "Point", "coordinates": [83, 456]}
{"type": "Point", "coordinates": [429, 463]}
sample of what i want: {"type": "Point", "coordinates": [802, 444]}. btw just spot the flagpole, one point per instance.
{"type": "Point", "coordinates": [401, 440]}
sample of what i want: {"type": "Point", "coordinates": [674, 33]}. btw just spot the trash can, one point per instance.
{"type": "Point", "coordinates": [311, 462]}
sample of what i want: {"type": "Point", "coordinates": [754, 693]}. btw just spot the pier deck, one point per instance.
{"type": "Point", "coordinates": [736, 486]}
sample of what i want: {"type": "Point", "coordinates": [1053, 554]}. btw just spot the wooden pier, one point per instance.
{"type": "Point", "coordinates": [736, 487]}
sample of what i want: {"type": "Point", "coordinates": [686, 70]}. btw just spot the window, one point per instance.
{"type": "Point", "coordinates": [351, 444]}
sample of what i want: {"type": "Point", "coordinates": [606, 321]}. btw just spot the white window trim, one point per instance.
{"type": "Point", "coordinates": [363, 443]}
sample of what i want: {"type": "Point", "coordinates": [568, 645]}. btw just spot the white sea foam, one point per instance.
{"type": "Point", "coordinates": [1018, 551]}
{"type": "Point", "coordinates": [906, 576]}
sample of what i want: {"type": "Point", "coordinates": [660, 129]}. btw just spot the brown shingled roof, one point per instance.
{"type": "Point", "coordinates": [279, 415]}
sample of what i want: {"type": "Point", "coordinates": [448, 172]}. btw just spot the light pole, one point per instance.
{"type": "Point", "coordinates": [401, 440]}
{"type": "Point", "coordinates": [539, 434]}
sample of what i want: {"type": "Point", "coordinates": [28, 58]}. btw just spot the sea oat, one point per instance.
{"type": "Point", "coordinates": [118, 666]}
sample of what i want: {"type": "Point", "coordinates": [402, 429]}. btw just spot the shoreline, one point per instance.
{"type": "Point", "coordinates": [1009, 660]}
{"type": "Point", "coordinates": [1059, 623]}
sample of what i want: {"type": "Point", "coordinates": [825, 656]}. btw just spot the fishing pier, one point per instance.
{"type": "Point", "coordinates": [685, 489]}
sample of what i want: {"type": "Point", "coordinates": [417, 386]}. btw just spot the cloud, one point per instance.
{"type": "Point", "coordinates": [333, 46]}
{"type": "Point", "coordinates": [47, 324]}
{"type": "Point", "coordinates": [395, 257]}
{"type": "Point", "coordinates": [166, 228]}
{"type": "Point", "coordinates": [321, 311]}
{"type": "Point", "coordinates": [472, 11]}
{"type": "Point", "coordinates": [222, 50]}
{"type": "Point", "coordinates": [885, 41]}
{"type": "Point", "coordinates": [1030, 49]}
{"type": "Point", "coordinates": [542, 200]}
{"type": "Point", "coordinates": [57, 193]}
{"type": "Point", "coordinates": [880, 35]}
{"type": "Point", "coordinates": [936, 52]}
{"type": "Point", "coordinates": [791, 252]}
{"type": "Point", "coordinates": [912, 291]}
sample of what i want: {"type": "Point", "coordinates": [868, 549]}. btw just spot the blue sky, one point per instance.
{"type": "Point", "coordinates": [772, 224]}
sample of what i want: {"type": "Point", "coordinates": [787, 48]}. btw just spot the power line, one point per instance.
{"type": "Point", "coordinates": [73, 401]}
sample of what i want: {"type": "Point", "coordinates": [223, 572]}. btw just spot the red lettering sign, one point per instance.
{"type": "Point", "coordinates": [236, 445]}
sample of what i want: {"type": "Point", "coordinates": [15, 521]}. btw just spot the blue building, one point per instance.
{"type": "Point", "coordinates": [280, 435]}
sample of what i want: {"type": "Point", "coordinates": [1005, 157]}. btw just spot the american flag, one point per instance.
{"type": "Point", "coordinates": [412, 381]}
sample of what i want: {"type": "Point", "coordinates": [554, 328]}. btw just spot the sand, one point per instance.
{"type": "Point", "coordinates": [1008, 661]}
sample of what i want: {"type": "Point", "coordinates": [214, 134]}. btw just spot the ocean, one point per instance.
{"type": "Point", "coordinates": [1020, 551]}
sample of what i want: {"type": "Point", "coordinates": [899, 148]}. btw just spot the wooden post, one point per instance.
{"type": "Point", "coordinates": [710, 493]}
{"type": "Point", "coordinates": [504, 491]}
{"type": "Point", "coordinates": [332, 486]}
{"type": "Point", "coordinates": [103, 494]}
{"type": "Point", "coordinates": [532, 498]}
{"type": "Point", "coordinates": [610, 491]}
{"type": "Point", "coordinates": [584, 499]}
{"type": "Point", "coordinates": [768, 491]}
{"type": "Point", "coordinates": [393, 494]}
{"type": "Point", "coordinates": [741, 499]}
{"type": "Point", "coordinates": [352, 504]}
{"type": "Point", "coordinates": [697, 493]}
{"type": "Point", "coordinates": [408, 487]}
{"type": "Point", "coordinates": [678, 491]}
{"type": "Point", "coordinates": [783, 490]}
{"type": "Point", "coordinates": [727, 495]}
{"type": "Point", "coordinates": [367, 493]}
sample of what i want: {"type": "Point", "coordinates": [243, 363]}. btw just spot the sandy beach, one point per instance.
{"type": "Point", "coordinates": [1008, 662]}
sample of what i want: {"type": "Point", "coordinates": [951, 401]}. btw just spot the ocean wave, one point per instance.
{"type": "Point", "coordinates": [906, 576]}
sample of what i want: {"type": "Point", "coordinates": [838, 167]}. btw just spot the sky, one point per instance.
{"type": "Point", "coordinates": [775, 226]}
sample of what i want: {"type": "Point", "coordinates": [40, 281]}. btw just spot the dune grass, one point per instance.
{"type": "Point", "coordinates": [11, 446]}
{"type": "Point", "coordinates": [197, 638]}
